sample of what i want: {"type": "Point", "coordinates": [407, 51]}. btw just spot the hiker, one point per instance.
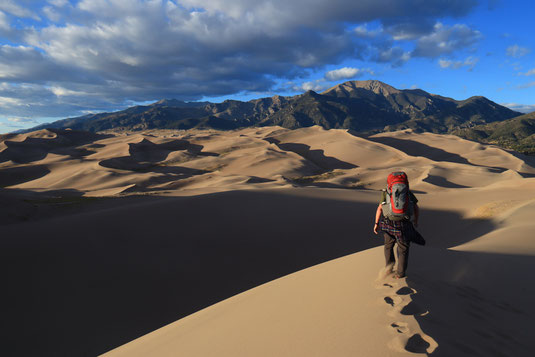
{"type": "Point", "coordinates": [396, 217]}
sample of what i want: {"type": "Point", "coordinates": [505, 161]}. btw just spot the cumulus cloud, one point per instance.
{"type": "Point", "coordinates": [345, 73]}
{"type": "Point", "coordinates": [516, 51]}
{"type": "Point", "coordinates": [317, 86]}
{"type": "Point", "coordinates": [115, 51]}
{"type": "Point", "coordinates": [11, 7]}
{"type": "Point", "coordinates": [470, 62]}
{"type": "Point", "coordinates": [58, 3]}
{"type": "Point", "coordinates": [445, 40]}
{"type": "Point", "coordinates": [4, 22]}
{"type": "Point", "coordinates": [51, 13]}
{"type": "Point", "coordinates": [362, 31]}
{"type": "Point", "coordinates": [394, 55]}
{"type": "Point", "coordinates": [409, 29]}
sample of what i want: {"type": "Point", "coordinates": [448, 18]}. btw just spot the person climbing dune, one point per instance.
{"type": "Point", "coordinates": [396, 216]}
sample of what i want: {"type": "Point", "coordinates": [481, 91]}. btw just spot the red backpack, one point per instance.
{"type": "Point", "coordinates": [397, 205]}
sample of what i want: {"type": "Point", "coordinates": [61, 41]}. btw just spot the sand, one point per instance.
{"type": "Point", "coordinates": [259, 242]}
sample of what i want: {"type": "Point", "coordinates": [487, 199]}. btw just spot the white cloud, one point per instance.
{"type": "Point", "coordinates": [470, 62]}
{"type": "Point", "coordinates": [11, 7]}
{"type": "Point", "coordinates": [363, 32]}
{"type": "Point", "coordinates": [21, 120]}
{"type": "Point", "coordinates": [123, 50]}
{"type": "Point", "coordinates": [409, 29]}
{"type": "Point", "coordinates": [345, 73]}
{"type": "Point", "coordinates": [317, 86]}
{"type": "Point", "coordinates": [445, 40]}
{"type": "Point", "coordinates": [62, 92]}
{"type": "Point", "coordinates": [4, 22]}
{"type": "Point", "coordinates": [51, 13]}
{"type": "Point", "coordinates": [7, 101]}
{"type": "Point", "coordinates": [58, 3]}
{"type": "Point", "coordinates": [516, 51]}
{"type": "Point", "coordinates": [394, 55]}
{"type": "Point", "coordinates": [523, 108]}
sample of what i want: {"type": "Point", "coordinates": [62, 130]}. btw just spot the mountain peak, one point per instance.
{"type": "Point", "coordinates": [375, 86]}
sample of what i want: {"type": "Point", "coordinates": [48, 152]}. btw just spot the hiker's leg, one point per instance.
{"type": "Point", "coordinates": [389, 249]}
{"type": "Point", "coordinates": [403, 257]}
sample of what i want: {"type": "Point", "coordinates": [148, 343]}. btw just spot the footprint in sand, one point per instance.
{"type": "Point", "coordinates": [417, 342]}
{"type": "Point", "coordinates": [406, 291]}
{"type": "Point", "coordinates": [400, 327]}
{"type": "Point", "coordinates": [393, 300]}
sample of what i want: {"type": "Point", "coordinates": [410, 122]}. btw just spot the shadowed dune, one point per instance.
{"type": "Point", "coordinates": [14, 175]}
{"type": "Point", "coordinates": [161, 260]}
{"type": "Point", "coordinates": [486, 302]}
{"type": "Point", "coordinates": [26, 148]}
{"type": "Point", "coordinates": [415, 148]}
{"type": "Point", "coordinates": [316, 156]}
{"type": "Point", "coordinates": [442, 182]}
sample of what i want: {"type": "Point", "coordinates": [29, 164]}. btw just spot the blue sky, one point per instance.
{"type": "Point", "coordinates": [61, 58]}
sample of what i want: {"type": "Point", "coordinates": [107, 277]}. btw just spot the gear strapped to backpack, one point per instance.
{"type": "Point", "coordinates": [397, 203]}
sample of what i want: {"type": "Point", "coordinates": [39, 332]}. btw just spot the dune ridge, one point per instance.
{"type": "Point", "coordinates": [259, 241]}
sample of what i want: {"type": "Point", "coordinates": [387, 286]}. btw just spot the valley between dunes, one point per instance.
{"type": "Point", "coordinates": [259, 242]}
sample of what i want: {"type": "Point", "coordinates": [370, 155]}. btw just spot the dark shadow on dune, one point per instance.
{"type": "Point", "coordinates": [66, 142]}
{"type": "Point", "coordinates": [19, 205]}
{"type": "Point", "coordinates": [256, 179]}
{"type": "Point", "coordinates": [117, 273]}
{"type": "Point", "coordinates": [414, 148]}
{"type": "Point", "coordinates": [147, 156]}
{"type": "Point", "coordinates": [16, 175]}
{"type": "Point", "coordinates": [317, 157]}
{"type": "Point", "coordinates": [526, 175]}
{"type": "Point", "coordinates": [442, 182]}
{"type": "Point", "coordinates": [327, 185]}
{"type": "Point", "coordinates": [462, 305]}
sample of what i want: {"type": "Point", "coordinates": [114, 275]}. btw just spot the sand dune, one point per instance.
{"type": "Point", "coordinates": [259, 242]}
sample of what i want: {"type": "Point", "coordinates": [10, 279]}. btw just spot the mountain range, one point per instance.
{"type": "Point", "coordinates": [363, 106]}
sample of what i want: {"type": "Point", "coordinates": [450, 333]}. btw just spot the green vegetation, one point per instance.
{"type": "Point", "coordinates": [517, 134]}
{"type": "Point", "coordinates": [304, 180]}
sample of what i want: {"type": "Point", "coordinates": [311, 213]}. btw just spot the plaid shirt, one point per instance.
{"type": "Point", "coordinates": [394, 228]}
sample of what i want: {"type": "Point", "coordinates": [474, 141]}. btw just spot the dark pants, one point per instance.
{"type": "Point", "coordinates": [403, 253]}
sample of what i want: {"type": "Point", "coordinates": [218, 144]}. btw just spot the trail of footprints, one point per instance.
{"type": "Point", "coordinates": [408, 337]}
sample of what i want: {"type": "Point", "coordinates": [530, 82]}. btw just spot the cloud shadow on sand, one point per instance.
{"type": "Point", "coordinates": [116, 274]}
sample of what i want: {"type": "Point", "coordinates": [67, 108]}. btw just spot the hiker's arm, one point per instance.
{"type": "Point", "coordinates": [377, 217]}
{"type": "Point", "coordinates": [416, 214]}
